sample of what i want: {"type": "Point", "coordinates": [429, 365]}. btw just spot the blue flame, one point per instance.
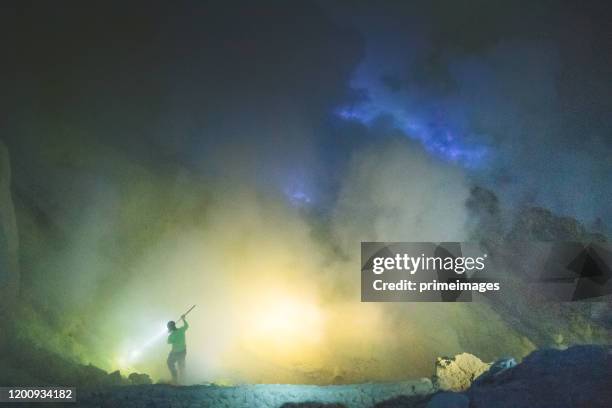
{"type": "Point", "coordinates": [437, 121]}
{"type": "Point", "coordinates": [438, 138]}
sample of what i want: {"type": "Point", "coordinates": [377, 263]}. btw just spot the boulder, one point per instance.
{"type": "Point", "coordinates": [458, 373]}
{"type": "Point", "coordinates": [139, 379]}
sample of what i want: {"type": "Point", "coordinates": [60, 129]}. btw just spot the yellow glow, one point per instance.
{"type": "Point", "coordinates": [127, 360]}
{"type": "Point", "coordinates": [288, 320]}
{"type": "Point", "coordinates": [122, 364]}
{"type": "Point", "coordinates": [282, 323]}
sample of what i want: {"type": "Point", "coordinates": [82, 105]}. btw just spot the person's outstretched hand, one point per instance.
{"type": "Point", "coordinates": [182, 317]}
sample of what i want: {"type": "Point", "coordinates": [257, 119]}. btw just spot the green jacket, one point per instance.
{"type": "Point", "coordinates": [177, 338]}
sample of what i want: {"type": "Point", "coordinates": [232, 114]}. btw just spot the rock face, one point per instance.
{"type": "Point", "coordinates": [507, 237]}
{"type": "Point", "coordinates": [458, 373]}
{"type": "Point", "coordinates": [9, 267]}
{"type": "Point", "coordinates": [540, 224]}
{"type": "Point", "coordinates": [578, 377]}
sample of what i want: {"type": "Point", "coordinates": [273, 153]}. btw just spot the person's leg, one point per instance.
{"type": "Point", "coordinates": [181, 365]}
{"type": "Point", "coordinates": [172, 367]}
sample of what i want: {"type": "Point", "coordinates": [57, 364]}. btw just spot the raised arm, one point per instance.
{"type": "Point", "coordinates": [185, 324]}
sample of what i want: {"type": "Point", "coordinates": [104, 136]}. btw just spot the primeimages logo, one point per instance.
{"type": "Point", "coordinates": [453, 271]}
{"type": "Point", "coordinates": [413, 264]}
{"type": "Point", "coordinates": [423, 272]}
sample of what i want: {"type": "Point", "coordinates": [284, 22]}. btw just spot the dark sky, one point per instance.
{"type": "Point", "coordinates": [282, 94]}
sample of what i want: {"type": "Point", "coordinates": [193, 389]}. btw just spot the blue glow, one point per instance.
{"type": "Point", "coordinates": [441, 126]}
{"type": "Point", "coordinates": [297, 197]}
{"type": "Point", "coordinates": [438, 139]}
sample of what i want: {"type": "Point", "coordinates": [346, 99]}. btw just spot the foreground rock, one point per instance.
{"type": "Point", "coordinates": [579, 377]}
{"type": "Point", "coordinates": [255, 396]}
{"type": "Point", "coordinates": [449, 400]}
{"type": "Point", "coordinates": [458, 373]}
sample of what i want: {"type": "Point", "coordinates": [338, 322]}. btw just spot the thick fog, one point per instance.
{"type": "Point", "coordinates": [167, 155]}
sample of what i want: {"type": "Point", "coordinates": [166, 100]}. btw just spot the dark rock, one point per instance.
{"type": "Point", "coordinates": [540, 224]}
{"type": "Point", "coordinates": [498, 367]}
{"type": "Point", "coordinates": [114, 378]}
{"type": "Point", "coordinates": [449, 400]}
{"type": "Point", "coordinates": [9, 239]}
{"type": "Point", "coordinates": [580, 376]}
{"type": "Point", "coordinates": [139, 379]}
{"type": "Point", "coordinates": [405, 401]}
{"type": "Point", "coordinates": [311, 405]}
{"type": "Point", "coordinates": [92, 376]}
{"type": "Point", "coordinates": [486, 219]}
{"type": "Point", "coordinates": [482, 201]}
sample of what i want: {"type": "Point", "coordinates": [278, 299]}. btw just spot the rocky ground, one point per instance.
{"type": "Point", "coordinates": [256, 396]}
{"type": "Point", "coordinates": [579, 377]}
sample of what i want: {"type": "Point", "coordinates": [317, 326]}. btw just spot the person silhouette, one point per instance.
{"type": "Point", "coordinates": [178, 352]}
